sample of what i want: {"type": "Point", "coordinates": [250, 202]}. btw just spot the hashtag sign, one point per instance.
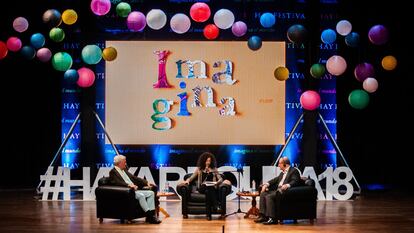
{"type": "Point", "coordinates": [61, 183]}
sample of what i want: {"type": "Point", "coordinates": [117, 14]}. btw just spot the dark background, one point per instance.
{"type": "Point", "coordinates": [376, 141]}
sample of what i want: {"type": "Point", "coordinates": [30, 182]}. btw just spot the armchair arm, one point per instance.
{"type": "Point", "coordinates": [183, 189]}
{"type": "Point", "coordinates": [114, 192]}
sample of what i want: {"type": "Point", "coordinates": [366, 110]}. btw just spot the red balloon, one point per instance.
{"type": "Point", "coordinates": [86, 77]}
{"type": "Point", "coordinates": [211, 31]}
{"type": "Point", "coordinates": [3, 50]}
{"type": "Point", "coordinates": [310, 100]}
{"type": "Point", "coordinates": [200, 12]}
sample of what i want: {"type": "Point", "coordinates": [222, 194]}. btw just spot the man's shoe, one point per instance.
{"type": "Point", "coordinates": [261, 219]}
{"type": "Point", "coordinates": [271, 221]}
{"type": "Point", "coordinates": [152, 220]}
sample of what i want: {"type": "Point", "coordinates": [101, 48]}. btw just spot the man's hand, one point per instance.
{"type": "Point", "coordinates": [133, 186]}
{"type": "Point", "coordinates": [284, 187]}
{"type": "Point", "coordinates": [264, 188]}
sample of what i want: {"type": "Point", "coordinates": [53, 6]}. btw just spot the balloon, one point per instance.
{"type": "Point", "coordinates": [20, 24]}
{"type": "Point", "coordinates": [317, 70]}
{"type": "Point", "coordinates": [352, 39]}
{"type": "Point", "coordinates": [69, 16]}
{"type": "Point", "coordinates": [389, 62]}
{"type": "Point", "coordinates": [44, 54]}
{"type": "Point", "coordinates": [200, 12]}
{"type": "Point", "coordinates": [37, 40]}
{"type": "Point", "coordinates": [52, 17]}
{"type": "Point", "coordinates": [254, 43]}
{"type": "Point", "coordinates": [100, 7]}
{"type": "Point", "coordinates": [310, 100]}
{"type": "Point", "coordinates": [336, 65]}
{"type": "Point", "coordinates": [109, 54]}
{"type": "Point", "coordinates": [123, 9]}
{"type": "Point", "coordinates": [378, 35]}
{"type": "Point", "coordinates": [267, 20]}
{"type": "Point", "coordinates": [136, 21]}
{"type": "Point", "coordinates": [358, 99]}
{"type": "Point", "coordinates": [239, 28]}
{"type": "Point", "coordinates": [61, 61]}
{"type": "Point", "coordinates": [57, 34]}
{"type": "Point", "coordinates": [343, 27]}
{"type": "Point", "coordinates": [156, 19]}
{"type": "Point", "coordinates": [86, 77]}
{"type": "Point", "coordinates": [223, 18]}
{"type": "Point", "coordinates": [28, 52]}
{"type": "Point", "coordinates": [3, 50]}
{"type": "Point", "coordinates": [370, 85]}
{"type": "Point", "coordinates": [281, 73]}
{"type": "Point", "coordinates": [91, 54]}
{"type": "Point", "coordinates": [211, 31]}
{"type": "Point", "coordinates": [297, 34]}
{"type": "Point", "coordinates": [71, 75]}
{"type": "Point", "coordinates": [14, 44]}
{"type": "Point", "coordinates": [180, 23]}
{"type": "Point", "coordinates": [363, 71]}
{"type": "Point", "coordinates": [328, 36]}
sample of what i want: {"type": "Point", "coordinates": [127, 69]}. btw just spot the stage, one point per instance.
{"type": "Point", "coordinates": [388, 211]}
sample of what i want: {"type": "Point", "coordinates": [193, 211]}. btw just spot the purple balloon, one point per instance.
{"type": "Point", "coordinates": [378, 35]}
{"type": "Point", "coordinates": [239, 28]}
{"type": "Point", "coordinates": [363, 71]}
{"type": "Point", "coordinates": [136, 21]}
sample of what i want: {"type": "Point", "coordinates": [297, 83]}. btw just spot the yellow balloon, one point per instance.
{"type": "Point", "coordinates": [69, 17]}
{"type": "Point", "coordinates": [109, 54]}
{"type": "Point", "coordinates": [281, 73]}
{"type": "Point", "coordinates": [389, 62]}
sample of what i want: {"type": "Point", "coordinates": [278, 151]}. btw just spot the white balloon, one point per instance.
{"type": "Point", "coordinates": [180, 23]}
{"type": "Point", "coordinates": [156, 19]}
{"type": "Point", "coordinates": [223, 18]}
{"type": "Point", "coordinates": [343, 27]}
{"type": "Point", "coordinates": [336, 65]}
{"type": "Point", "coordinates": [370, 85]}
{"type": "Point", "coordinates": [20, 24]}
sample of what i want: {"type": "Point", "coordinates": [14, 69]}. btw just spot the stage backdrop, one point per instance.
{"type": "Point", "coordinates": [235, 101]}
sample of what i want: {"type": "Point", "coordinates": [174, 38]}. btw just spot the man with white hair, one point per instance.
{"type": "Point", "coordinates": [120, 176]}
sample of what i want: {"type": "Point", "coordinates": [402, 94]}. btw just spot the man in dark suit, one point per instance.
{"type": "Point", "coordinates": [120, 176]}
{"type": "Point", "coordinates": [273, 189]}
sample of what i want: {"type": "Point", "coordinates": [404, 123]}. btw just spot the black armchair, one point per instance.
{"type": "Point", "coordinates": [299, 202]}
{"type": "Point", "coordinates": [117, 202]}
{"type": "Point", "coordinates": [194, 202]}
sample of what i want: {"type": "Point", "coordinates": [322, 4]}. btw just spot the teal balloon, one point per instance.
{"type": "Point", "coordinates": [37, 40]}
{"type": "Point", "coordinates": [91, 54]}
{"type": "Point", "coordinates": [71, 76]}
{"type": "Point", "coordinates": [28, 52]}
{"type": "Point", "coordinates": [62, 61]}
{"type": "Point", "coordinates": [57, 34]}
{"type": "Point", "coordinates": [358, 99]}
{"type": "Point", "coordinates": [352, 39]}
{"type": "Point", "coordinates": [254, 43]}
{"type": "Point", "coordinates": [317, 70]}
{"type": "Point", "coordinates": [123, 9]}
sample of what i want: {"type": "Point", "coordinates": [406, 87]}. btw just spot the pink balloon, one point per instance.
{"type": "Point", "coordinates": [136, 21]}
{"type": "Point", "coordinates": [20, 24]}
{"type": "Point", "coordinates": [310, 100]}
{"type": "Point", "coordinates": [370, 85]}
{"type": "Point", "coordinates": [44, 54]}
{"type": "Point", "coordinates": [100, 7]}
{"type": "Point", "coordinates": [336, 65]}
{"type": "Point", "coordinates": [200, 12]}
{"type": "Point", "coordinates": [86, 77]}
{"type": "Point", "coordinates": [14, 44]}
{"type": "Point", "coordinates": [239, 28]}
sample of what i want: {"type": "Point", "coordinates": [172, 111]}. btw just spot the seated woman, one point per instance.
{"type": "Point", "coordinates": [208, 180]}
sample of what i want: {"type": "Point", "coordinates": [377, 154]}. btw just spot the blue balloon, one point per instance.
{"type": "Point", "coordinates": [37, 40]}
{"type": "Point", "coordinates": [328, 36]}
{"type": "Point", "coordinates": [71, 75]}
{"type": "Point", "coordinates": [28, 52]}
{"type": "Point", "coordinates": [267, 20]}
{"type": "Point", "coordinates": [352, 39]}
{"type": "Point", "coordinates": [254, 43]}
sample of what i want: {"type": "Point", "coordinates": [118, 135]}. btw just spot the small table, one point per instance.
{"type": "Point", "coordinates": [159, 208]}
{"type": "Point", "coordinates": [253, 210]}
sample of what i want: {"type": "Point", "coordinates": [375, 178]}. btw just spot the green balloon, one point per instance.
{"type": "Point", "coordinates": [91, 54]}
{"type": "Point", "coordinates": [62, 61]}
{"type": "Point", "coordinates": [57, 34]}
{"type": "Point", "coordinates": [317, 70]}
{"type": "Point", "coordinates": [123, 9]}
{"type": "Point", "coordinates": [358, 99]}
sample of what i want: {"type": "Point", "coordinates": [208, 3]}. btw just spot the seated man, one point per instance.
{"type": "Point", "coordinates": [146, 198]}
{"type": "Point", "coordinates": [271, 191]}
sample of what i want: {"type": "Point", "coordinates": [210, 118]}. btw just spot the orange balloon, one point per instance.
{"type": "Point", "coordinates": [389, 62]}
